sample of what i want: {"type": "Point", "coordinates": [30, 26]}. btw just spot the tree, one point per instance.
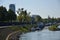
{"type": "Point", "coordinates": [11, 15]}
{"type": "Point", "coordinates": [45, 20]}
{"type": "Point", "coordinates": [3, 13]}
{"type": "Point", "coordinates": [23, 15]}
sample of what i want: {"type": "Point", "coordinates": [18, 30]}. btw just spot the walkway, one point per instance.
{"type": "Point", "coordinates": [13, 35]}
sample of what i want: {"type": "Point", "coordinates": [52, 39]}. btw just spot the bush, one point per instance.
{"type": "Point", "coordinates": [23, 29]}
{"type": "Point", "coordinates": [53, 27]}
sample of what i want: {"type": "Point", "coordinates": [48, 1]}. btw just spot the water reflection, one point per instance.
{"type": "Point", "coordinates": [41, 35]}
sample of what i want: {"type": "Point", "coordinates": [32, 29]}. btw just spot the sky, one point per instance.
{"type": "Point", "coordinates": [44, 8]}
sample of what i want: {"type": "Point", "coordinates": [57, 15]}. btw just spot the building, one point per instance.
{"type": "Point", "coordinates": [35, 16]}
{"type": "Point", "coordinates": [12, 7]}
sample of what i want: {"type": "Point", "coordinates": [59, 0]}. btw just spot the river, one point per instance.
{"type": "Point", "coordinates": [41, 35]}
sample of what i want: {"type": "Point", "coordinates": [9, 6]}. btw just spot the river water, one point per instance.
{"type": "Point", "coordinates": [41, 35]}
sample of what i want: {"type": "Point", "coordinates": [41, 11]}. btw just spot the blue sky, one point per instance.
{"type": "Point", "coordinates": [36, 7]}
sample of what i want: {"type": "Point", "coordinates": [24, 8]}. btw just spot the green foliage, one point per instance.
{"type": "Point", "coordinates": [14, 28]}
{"type": "Point", "coordinates": [23, 29]}
{"type": "Point", "coordinates": [53, 27]}
{"type": "Point", "coordinates": [3, 13]}
{"type": "Point", "coordinates": [11, 15]}
{"type": "Point", "coordinates": [6, 15]}
{"type": "Point", "coordinates": [23, 16]}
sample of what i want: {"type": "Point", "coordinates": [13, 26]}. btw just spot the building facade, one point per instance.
{"type": "Point", "coordinates": [12, 7]}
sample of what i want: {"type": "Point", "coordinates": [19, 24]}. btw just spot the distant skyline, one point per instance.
{"type": "Point", "coordinates": [36, 7]}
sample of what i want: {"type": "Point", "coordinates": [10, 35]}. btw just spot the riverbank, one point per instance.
{"type": "Point", "coordinates": [14, 35]}
{"type": "Point", "coordinates": [4, 32]}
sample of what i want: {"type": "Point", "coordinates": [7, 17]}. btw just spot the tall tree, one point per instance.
{"type": "Point", "coordinates": [11, 15]}
{"type": "Point", "coordinates": [23, 15]}
{"type": "Point", "coordinates": [3, 13]}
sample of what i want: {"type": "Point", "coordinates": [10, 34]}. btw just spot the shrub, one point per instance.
{"type": "Point", "coordinates": [53, 27]}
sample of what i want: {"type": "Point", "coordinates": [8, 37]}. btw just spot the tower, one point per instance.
{"type": "Point", "coordinates": [12, 7]}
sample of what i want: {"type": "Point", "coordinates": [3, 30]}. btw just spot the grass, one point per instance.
{"type": "Point", "coordinates": [14, 28]}
{"type": "Point", "coordinates": [21, 28]}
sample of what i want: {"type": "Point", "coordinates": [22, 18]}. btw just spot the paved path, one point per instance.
{"type": "Point", "coordinates": [5, 26]}
{"type": "Point", "coordinates": [7, 38]}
